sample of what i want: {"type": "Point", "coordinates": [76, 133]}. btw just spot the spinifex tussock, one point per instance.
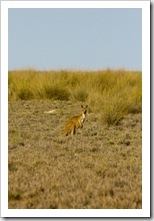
{"type": "Point", "coordinates": [111, 93]}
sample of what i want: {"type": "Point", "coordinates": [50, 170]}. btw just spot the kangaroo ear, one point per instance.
{"type": "Point", "coordinates": [81, 106]}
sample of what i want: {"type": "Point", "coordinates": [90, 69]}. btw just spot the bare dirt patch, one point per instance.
{"type": "Point", "coordinates": [99, 167]}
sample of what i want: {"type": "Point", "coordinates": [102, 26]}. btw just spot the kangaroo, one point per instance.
{"type": "Point", "coordinates": [75, 122]}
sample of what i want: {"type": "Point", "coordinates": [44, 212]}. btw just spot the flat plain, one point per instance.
{"type": "Point", "coordinates": [98, 168]}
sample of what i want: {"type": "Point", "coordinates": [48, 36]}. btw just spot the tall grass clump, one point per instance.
{"type": "Point", "coordinates": [115, 100]}
{"type": "Point", "coordinates": [111, 93]}
{"type": "Point", "coordinates": [55, 92]}
{"type": "Point", "coordinates": [114, 109]}
{"type": "Point", "coordinates": [80, 93]}
{"type": "Point", "coordinates": [21, 85]}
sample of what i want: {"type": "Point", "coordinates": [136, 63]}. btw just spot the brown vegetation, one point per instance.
{"type": "Point", "coordinates": [111, 93]}
{"type": "Point", "coordinates": [100, 166]}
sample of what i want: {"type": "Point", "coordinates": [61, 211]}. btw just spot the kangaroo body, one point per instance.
{"type": "Point", "coordinates": [75, 122]}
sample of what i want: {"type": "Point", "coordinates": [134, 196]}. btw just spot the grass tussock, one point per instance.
{"type": "Point", "coordinates": [80, 94]}
{"type": "Point", "coordinates": [56, 92]}
{"type": "Point", "coordinates": [114, 94]}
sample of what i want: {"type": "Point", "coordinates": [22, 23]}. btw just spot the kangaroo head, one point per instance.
{"type": "Point", "coordinates": [84, 109]}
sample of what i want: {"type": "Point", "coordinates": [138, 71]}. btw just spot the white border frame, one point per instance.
{"type": "Point", "coordinates": [145, 211]}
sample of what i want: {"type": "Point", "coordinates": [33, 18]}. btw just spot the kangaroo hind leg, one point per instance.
{"type": "Point", "coordinates": [73, 130]}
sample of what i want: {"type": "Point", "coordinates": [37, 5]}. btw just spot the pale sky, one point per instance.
{"type": "Point", "coordinates": [85, 39]}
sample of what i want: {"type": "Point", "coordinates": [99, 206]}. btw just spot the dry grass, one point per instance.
{"type": "Point", "coordinates": [99, 167]}
{"type": "Point", "coordinates": [111, 93]}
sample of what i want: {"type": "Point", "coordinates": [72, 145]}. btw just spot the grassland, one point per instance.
{"type": "Point", "coordinates": [99, 167]}
{"type": "Point", "coordinates": [112, 93]}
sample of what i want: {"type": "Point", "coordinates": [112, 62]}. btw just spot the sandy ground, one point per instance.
{"type": "Point", "coordinates": [99, 167]}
